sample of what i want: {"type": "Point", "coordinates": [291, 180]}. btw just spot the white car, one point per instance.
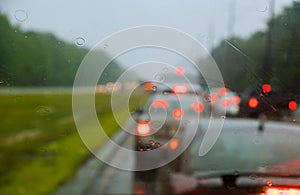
{"type": "Point", "coordinates": [224, 102]}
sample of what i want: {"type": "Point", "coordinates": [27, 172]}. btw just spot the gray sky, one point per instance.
{"type": "Point", "coordinates": [93, 20]}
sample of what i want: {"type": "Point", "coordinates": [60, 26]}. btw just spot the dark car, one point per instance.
{"type": "Point", "coordinates": [268, 100]}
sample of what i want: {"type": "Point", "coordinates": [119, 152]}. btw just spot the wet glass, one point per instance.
{"type": "Point", "coordinates": [137, 97]}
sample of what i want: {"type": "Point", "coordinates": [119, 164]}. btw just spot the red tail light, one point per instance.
{"type": "Point", "coordinates": [223, 91]}
{"type": "Point", "coordinates": [253, 102]}
{"type": "Point", "coordinates": [139, 189]}
{"type": "Point", "coordinates": [148, 86]}
{"type": "Point", "coordinates": [282, 191]}
{"type": "Point", "coordinates": [180, 88]}
{"type": "Point", "coordinates": [225, 102]}
{"type": "Point", "coordinates": [293, 105]}
{"type": "Point", "coordinates": [177, 113]}
{"type": "Point", "coordinates": [214, 97]}
{"type": "Point", "coordinates": [160, 104]}
{"type": "Point", "coordinates": [179, 70]}
{"type": "Point", "coordinates": [174, 143]}
{"type": "Point", "coordinates": [143, 128]}
{"type": "Point", "coordinates": [266, 88]}
{"type": "Point", "coordinates": [236, 100]}
{"type": "Point", "coordinates": [197, 106]}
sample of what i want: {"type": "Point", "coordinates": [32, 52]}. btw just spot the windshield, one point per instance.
{"type": "Point", "coordinates": [131, 97]}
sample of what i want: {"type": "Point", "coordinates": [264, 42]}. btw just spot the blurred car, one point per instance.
{"type": "Point", "coordinates": [163, 116]}
{"type": "Point", "coordinates": [181, 88]}
{"type": "Point", "coordinates": [243, 161]}
{"type": "Point", "coordinates": [268, 100]}
{"type": "Point", "coordinates": [224, 101]}
{"type": "Point", "coordinates": [162, 122]}
{"type": "Point", "coordinates": [178, 82]}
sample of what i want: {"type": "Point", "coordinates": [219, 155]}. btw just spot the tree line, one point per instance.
{"type": "Point", "coordinates": [41, 59]}
{"type": "Point", "coordinates": [241, 60]}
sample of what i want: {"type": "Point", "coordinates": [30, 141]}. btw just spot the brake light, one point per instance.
{"type": "Point", "coordinates": [177, 113]}
{"type": "Point", "coordinates": [197, 106]}
{"type": "Point", "coordinates": [148, 86]}
{"type": "Point", "coordinates": [223, 91]}
{"type": "Point", "coordinates": [266, 88]}
{"type": "Point", "coordinates": [159, 103]}
{"type": "Point", "coordinates": [179, 70]}
{"type": "Point", "coordinates": [180, 88]}
{"type": "Point", "coordinates": [225, 102]}
{"type": "Point", "coordinates": [214, 97]}
{"type": "Point", "coordinates": [139, 189]}
{"type": "Point", "coordinates": [174, 143]}
{"type": "Point", "coordinates": [236, 100]}
{"type": "Point", "coordinates": [253, 102]}
{"type": "Point", "coordinates": [293, 105]}
{"type": "Point", "coordinates": [143, 128]}
{"type": "Point", "coordinates": [282, 191]}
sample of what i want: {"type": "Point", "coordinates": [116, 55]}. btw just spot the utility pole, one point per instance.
{"type": "Point", "coordinates": [267, 61]}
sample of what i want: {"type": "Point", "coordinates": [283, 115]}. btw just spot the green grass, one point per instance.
{"type": "Point", "coordinates": [39, 145]}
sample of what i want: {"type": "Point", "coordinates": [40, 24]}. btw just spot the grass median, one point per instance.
{"type": "Point", "coordinates": [39, 145]}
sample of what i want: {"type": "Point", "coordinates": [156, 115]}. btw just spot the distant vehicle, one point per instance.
{"type": "Point", "coordinates": [178, 82]}
{"type": "Point", "coordinates": [268, 100]}
{"type": "Point", "coordinates": [224, 102]}
{"type": "Point", "coordinates": [180, 88]}
{"type": "Point", "coordinates": [163, 115]}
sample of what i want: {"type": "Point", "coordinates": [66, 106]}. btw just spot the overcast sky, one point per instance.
{"type": "Point", "coordinates": [93, 20]}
